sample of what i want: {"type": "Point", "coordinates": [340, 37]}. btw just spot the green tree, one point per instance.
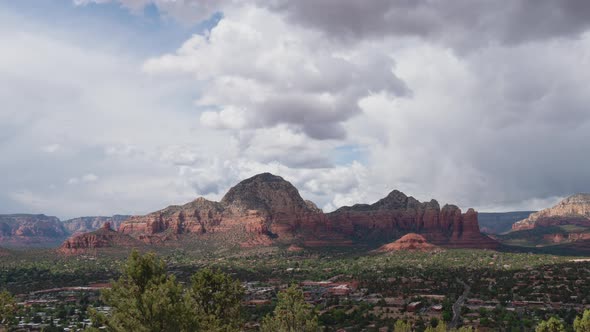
{"type": "Point", "coordinates": [7, 309]}
{"type": "Point", "coordinates": [401, 326]}
{"type": "Point", "coordinates": [145, 298]}
{"type": "Point", "coordinates": [551, 325]}
{"type": "Point", "coordinates": [215, 301]}
{"type": "Point", "coordinates": [292, 314]}
{"type": "Point", "coordinates": [440, 327]}
{"type": "Point", "coordinates": [582, 324]}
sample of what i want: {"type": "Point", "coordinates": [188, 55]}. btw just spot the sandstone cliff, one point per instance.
{"type": "Point", "coordinates": [31, 230]}
{"type": "Point", "coordinates": [89, 224]}
{"type": "Point", "coordinates": [398, 214]}
{"type": "Point", "coordinates": [265, 209]}
{"type": "Point", "coordinates": [105, 237]}
{"type": "Point", "coordinates": [574, 210]}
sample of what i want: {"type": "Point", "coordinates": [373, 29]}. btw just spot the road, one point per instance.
{"type": "Point", "coordinates": [457, 305]}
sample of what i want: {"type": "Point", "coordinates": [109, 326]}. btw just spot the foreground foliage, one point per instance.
{"type": "Point", "coordinates": [147, 299]}
{"type": "Point", "coordinates": [7, 309]}
{"type": "Point", "coordinates": [292, 314]}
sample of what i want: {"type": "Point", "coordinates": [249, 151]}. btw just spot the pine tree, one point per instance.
{"type": "Point", "coordinates": [7, 309]}
{"type": "Point", "coordinates": [401, 326]}
{"type": "Point", "coordinates": [145, 298]}
{"type": "Point", "coordinates": [214, 299]}
{"type": "Point", "coordinates": [551, 325]}
{"type": "Point", "coordinates": [292, 314]}
{"type": "Point", "coordinates": [582, 324]}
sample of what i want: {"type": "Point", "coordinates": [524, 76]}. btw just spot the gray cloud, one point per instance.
{"type": "Point", "coordinates": [461, 24]}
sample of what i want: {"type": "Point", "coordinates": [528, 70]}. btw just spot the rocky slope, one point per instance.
{"type": "Point", "coordinates": [574, 210]}
{"type": "Point", "coordinates": [19, 230]}
{"type": "Point", "coordinates": [266, 209]}
{"type": "Point", "coordinates": [105, 237]}
{"type": "Point", "coordinates": [411, 241]}
{"type": "Point", "coordinates": [398, 214]}
{"type": "Point", "coordinates": [253, 212]}
{"type": "Point", "coordinates": [89, 224]}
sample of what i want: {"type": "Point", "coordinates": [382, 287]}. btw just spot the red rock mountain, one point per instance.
{"type": "Point", "coordinates": [105, 237]}
{"type": "Point", "coordinates": [398, 214]}
{"type": "Point", "coordinates": [411, 241]}
{"type": "Point", "coordinates": [19, 230]}
{"type": "Point", "coordinates": [574, 210]}
{"type": "Point", "coordinates": [266, 209]}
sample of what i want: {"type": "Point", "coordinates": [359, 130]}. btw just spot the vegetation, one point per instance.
{"type": "Point", "coordinates": [148, 299]}
{"type": "Point", "coordinates": [292, 314]}
{"type": "Point", "coordinates": [190, 290]}
{"type": "Point", "coordinates": [551, 325]}
{"type": "Point", "coordinates": [582, 324]}
{"type": "Point", "coordinates": [7, 309]}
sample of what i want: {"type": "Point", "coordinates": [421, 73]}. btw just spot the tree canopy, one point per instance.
{"type": "Point", "coordinates": [147, 299]}
{"type": "Point", "coordinates": [551, 325]}
{"type": "Point", "coordinates": [292, 314]}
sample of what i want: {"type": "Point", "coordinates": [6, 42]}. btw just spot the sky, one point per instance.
{"type": "Point", "coordinates": [128, 106]}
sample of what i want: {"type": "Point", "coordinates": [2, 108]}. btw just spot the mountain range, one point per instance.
{"type": "Point", "coordinates": [267, 210]}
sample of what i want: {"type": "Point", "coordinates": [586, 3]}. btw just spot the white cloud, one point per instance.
{"type": "Point", "coordinates": [263, 72]}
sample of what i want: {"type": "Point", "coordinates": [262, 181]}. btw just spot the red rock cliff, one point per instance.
{"type": "Point", "coordinates": [266, 209]}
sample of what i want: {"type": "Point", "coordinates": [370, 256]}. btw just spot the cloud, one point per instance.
{"type": "Point", "coordinates": [262, 72]}
{"type": "Point", "coordinates": [87, 178]}
{"type": "Point", "coordinates": [478, 103]}
{"type": "Point", "coordinates": [462, 24]}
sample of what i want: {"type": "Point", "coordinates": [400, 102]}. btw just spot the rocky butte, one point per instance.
{"type": "Point", "coordinates": [266, 210]}
{"type": "Point", "coordinates": [574, 210]}
{"type": "Point", "coordinates": [411, 241]}
{"type": "Point", "coordinates": [104, 237]}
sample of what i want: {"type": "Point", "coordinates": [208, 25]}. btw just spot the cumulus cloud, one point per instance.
{"type": "Point", "coordinates": [263, 72]}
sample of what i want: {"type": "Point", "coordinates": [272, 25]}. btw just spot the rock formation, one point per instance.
{"type": "Point", "coordinates": [411, 241]}
{"type": "Point", "coordinates": [31, 230]}
{"type": "Point", "coordinates": [105, 237]}
{"type": "Point", "coordinates": [574, 210]}
{"type": "Point", "coordinates": [265, 209]}
{"type": "Point", "coordinates": [398, 214]}
{"type": "Point", "coordinates": [89, 224]}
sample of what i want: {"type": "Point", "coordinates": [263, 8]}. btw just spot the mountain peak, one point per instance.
{"type": "Point", "coordinates": [265, 192]}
